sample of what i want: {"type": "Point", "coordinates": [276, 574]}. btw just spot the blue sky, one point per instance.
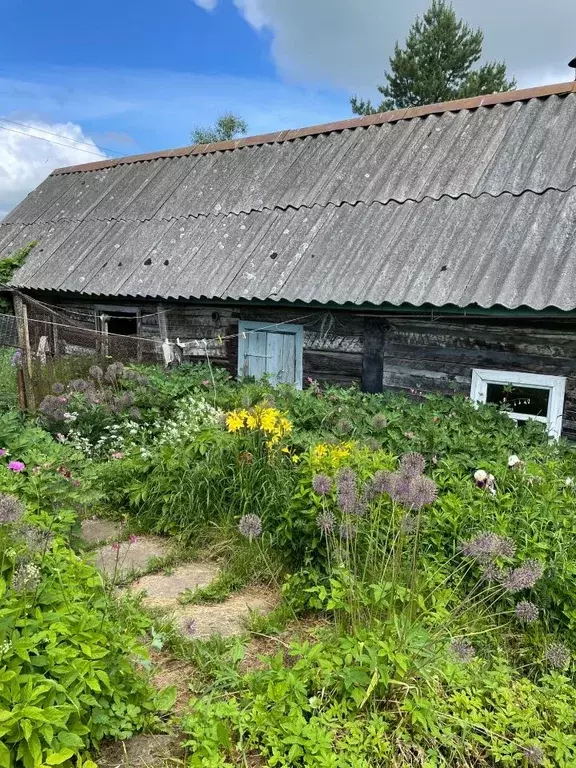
{"type": "Point", "coordinates": [133, 76]}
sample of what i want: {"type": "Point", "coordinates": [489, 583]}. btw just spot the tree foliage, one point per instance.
{"type": "Point", "coordinates": [436, 64]}
{"type": "Point", "coordinates": [228, 126]}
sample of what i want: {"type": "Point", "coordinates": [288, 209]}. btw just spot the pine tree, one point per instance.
{"type": "Point", "coordinates": [436, 65]}
{"type": "Point", "coordinates": [228, 126]}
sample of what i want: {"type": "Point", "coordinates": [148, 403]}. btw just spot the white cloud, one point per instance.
{"type": "Point", "coordinates": [26, 158]}
{"type": "Point", "coordinates": [207, 5]}
{"type": "Point", "coordinates": [347, 43]}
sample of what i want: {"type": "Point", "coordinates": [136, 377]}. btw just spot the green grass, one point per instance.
{"type": "Point", "coordinates": [8, 380]}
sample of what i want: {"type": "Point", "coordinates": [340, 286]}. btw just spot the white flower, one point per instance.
{"type": "Point", "coordinates": [480, 476]}
{"type": "Point", "coordinates": [569, 482]}
{"type": "Point", "coordinates": [70, 416]}
{"type": "Point", "coordinates": [513, 461]}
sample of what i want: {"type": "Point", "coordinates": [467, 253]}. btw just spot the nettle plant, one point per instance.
{"type": "Point", "coordinates": [68, 677]}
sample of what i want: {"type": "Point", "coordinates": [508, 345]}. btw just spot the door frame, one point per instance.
{"type": "Point", "coordinates": [247, 326]}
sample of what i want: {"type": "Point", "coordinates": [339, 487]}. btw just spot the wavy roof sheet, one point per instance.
{"type": "Point", "coordinates": [467, 203]}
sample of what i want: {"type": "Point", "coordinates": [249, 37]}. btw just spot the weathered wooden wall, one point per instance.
{"type": "Point", "coordinates": [404, 353]}
{"type": "Point", "coordinates": [438, 356]}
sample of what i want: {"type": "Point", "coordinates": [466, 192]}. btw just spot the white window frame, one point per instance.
{"type": "Point", "coordinates": [556, 385]}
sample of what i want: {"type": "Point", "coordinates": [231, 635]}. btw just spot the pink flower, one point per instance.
{"type": "Point", "coordinates": [60, 437]}
{"type": "Point", "coordinates": [117, 455]}
{"type": "Point", "coordinates": [206, 383]}
{"type": "Point", "coordinates": [133, 539]}
{"type": "Point", "coordinates": [76, 483]}
{"type": "Point", "coordinates": [3, 452]}
{"type": "Point", "coordinates": [116, 546]}
{"type": "Point", "coordinates": [36, 470]}
{"type": "Point", "coordinates": [17, 466]}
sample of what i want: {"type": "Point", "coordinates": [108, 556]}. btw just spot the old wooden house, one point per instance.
{"type": "Point", "coordinates": [428, 249]}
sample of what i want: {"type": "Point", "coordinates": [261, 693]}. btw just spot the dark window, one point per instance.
{"type": "Point", "coordinates": [123, 324]}
{"type": "Point", "coordinates": [519, 399]}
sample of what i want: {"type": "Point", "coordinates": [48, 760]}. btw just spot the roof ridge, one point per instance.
{"type": "Point", "coordinates": [381, 118]}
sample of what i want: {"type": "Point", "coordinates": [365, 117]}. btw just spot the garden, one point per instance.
{"type": "Point", "coordinates": [417, 554]}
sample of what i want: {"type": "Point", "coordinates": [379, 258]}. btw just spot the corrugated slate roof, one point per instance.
{"type": "Point", "coordinates": [472, 202]}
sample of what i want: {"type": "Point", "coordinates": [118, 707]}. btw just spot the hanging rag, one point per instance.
{"type": "Point", "coordinates": [168, 352]}
{"type": "Point", "coordinates": [43, 349]}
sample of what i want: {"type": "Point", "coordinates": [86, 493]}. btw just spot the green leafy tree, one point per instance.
{"type": "Point", "coordinates": [436, 65]}
{"type": "Point", "coordinates": [228, 126]}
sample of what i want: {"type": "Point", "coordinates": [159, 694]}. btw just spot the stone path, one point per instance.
{"type": "Point", "coordinates": [162, 589]}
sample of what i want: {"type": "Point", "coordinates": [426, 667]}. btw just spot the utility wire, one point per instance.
{"type": "Point", "coordinates": [50, 141]}
{"type": "Point", "coordinates": [59, 135]}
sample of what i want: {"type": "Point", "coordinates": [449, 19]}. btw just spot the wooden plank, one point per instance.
{"type": "Point", "coordinates": [332, 363]}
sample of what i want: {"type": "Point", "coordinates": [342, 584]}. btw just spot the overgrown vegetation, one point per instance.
{"type": "Point", "coordinates": [8, 267]}
{"type": "Point", "coordinates": [432, 542]}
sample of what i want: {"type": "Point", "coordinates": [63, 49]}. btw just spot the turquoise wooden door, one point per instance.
{"type": "Point", "coordinates": [275, 351]}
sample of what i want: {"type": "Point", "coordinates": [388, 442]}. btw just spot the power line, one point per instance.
{"type": "Point", "coordinates": [58, 135]}
{"type": "Point", "coordinates": [50, 141]}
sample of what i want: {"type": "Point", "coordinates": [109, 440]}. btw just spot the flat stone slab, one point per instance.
{"type": "Point", "coordinates": [227, 618]}
{"type": "Point", "coordinates": [129, 557]}
{"type": "Point", "coordinates": [97, 531]}
{"type": "Point", "coordinates": [143, 751]}
{"type": "Point", "coordinates": [164, 589]}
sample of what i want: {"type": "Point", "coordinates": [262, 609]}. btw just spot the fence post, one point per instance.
{"type": "Point", "coordinates": [21, 312]}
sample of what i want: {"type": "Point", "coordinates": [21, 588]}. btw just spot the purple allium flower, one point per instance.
{"type": "Point", "coordinates": [26, 577]}
{"type": "Point", "coordinates": [412, 464]}
{"type": "Point", "coordinates": [35, 539]}
{"type": "Point", "coordinates": [462, 650]}
{"type": "Point", "coordinates": [344, 426]}
{"type": "Point", "coordinates": [16, 466]}
{"type": "Point", "coordinates": [383, 481]}
{"type": "Point", "coordinates": [113, 371]}
{"type": "Point", "coordinates": [127, 399]}
{"type": "Point", "coordinates": [135, 413]}
{"type": "Point", "coordinates": [190, 627]}
{"type": "Point", "coordinates": [492, 573]}
{"type": "Point", "coordinates": [11, 509]}
{"type": "Point", "coordinates": [326, 522]}
{"type": "Point", "coordinates": [347, 493]}
{"type": "Point", "coordinates": [79, 385]}
{"type": "Point", "coordinates": [250, 526]}
{"type": "Point", "coordinates": [16, 359]}
{"type": "Point", "coordinates": [558, 656]}
{"type": "Point", "coordinates": [96, 372]}
{"type": "Point", "coordinates": [322, 484]}
{"type": "Point", "coordinates": [422, 492]}
{"type": "Point", "coordinates": [534, 755]}
{"type": "Point", "coordinates": [487, 546]}
{"type": "Point", "coordinates": [143, 381]}
{"type": "Point", "coordinates": [524, 577]}
{"type": "Point", "coordinates": [408, 524]}
{"type": "Point", "coordinates": [347, 531]}
{"type": "Point", "coordinates": [58, 388]}
{"type": "Point", "coordinates": [3, 452]}
{"type": "Point", "coordinates": [400, 489]}
{"type": "Point", "coordinates": [379, 421]}
{"type": "Point", "coordinates": [52, 407]}
{"type": "Point", "coordinates": [526, 612]}
{"type": "Point", "coordinates": [373, 444]}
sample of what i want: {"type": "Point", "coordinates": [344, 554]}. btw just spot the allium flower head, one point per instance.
{"type": "Point", "coordinates": [16, 359]}
{"type": "Point", "coordinates": [250, 526]}
{"type": "Point", "coordinates": [135, 413]}
{"type": "Point", "coordinates": [52, 407]}
{"type": "Point", "coordinates": [3, 452]}
{"type": "Point", "coordinates": [524, 577]}
{"type": "Point", "coordinates": [383, 481]}
{"type": "Point", "coordinates": [422, 492]}
{"type": "Point", "coordinates": [379, 421]}
{"type": "Point", "coordinates": [462, 650]}
{"type": "Point", "coordinates": [373, 444]}
{"type": "Point", "coordinates": [526, 612]}
{"type": "Point", "coordinates": [347, 494]}
{"type": "Point", "coordinates": [321, 484]}
{"type": "Point", "coordinates": [558, 656]}
{"type": "Point", "coordinates": [58, 388]}
{"type": "Point", "coordinates": [408, 524]}
{"type": "Point", "coordinates": [534, 755]}
{"type": "Point", "coordinates": [190, 627]}
{"type": "Point", "coordinates": [35, 539]}
{"type": "Point", "coordinates": [326, 522]}
{"type": "Point", "coordinates": [96, 372]}
{"type": "Point", "coordinates": [412, 464]}
{"type": "Point", "coordinates": [344, 426]}
{"type": "Point", "coordinates": [16, 466]}
{"type": "Point", "coordinates": [487, 546]}
{"type": "Point", "coordinates": [493, 574]}
{"type": "Point", "coordinates": [79, 385]}
{"type": "Point", "coordinates": [11, 509]}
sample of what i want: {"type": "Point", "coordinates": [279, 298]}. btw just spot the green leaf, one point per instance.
{"type": "Point", "coordinates": [5, 761]}
{"type": "Point", "coordinates": [57, 758]}
{"type": "Point", "coordinates": [166, 698]}
{"type": "Point", "coordinates": [69, 739]}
